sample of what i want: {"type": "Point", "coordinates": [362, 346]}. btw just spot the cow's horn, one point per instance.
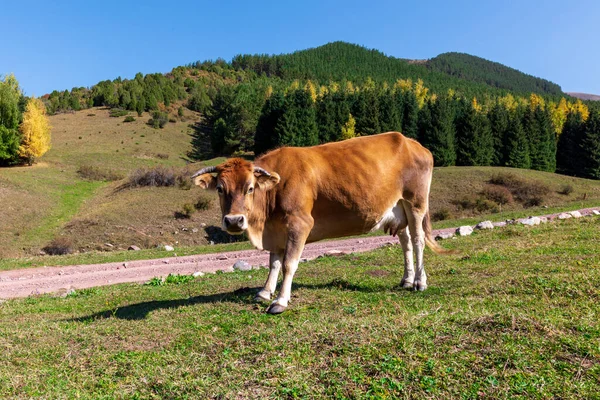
{"type": "Point", "coordinates": [203, 171]}
{"type": "Point", "coordinates": [262, 171]}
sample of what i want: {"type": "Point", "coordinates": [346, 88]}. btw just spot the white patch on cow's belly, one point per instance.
{"type": "Point", "coordinates": [393, 220]}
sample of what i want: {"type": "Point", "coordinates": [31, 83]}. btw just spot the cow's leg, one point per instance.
{"type": "Point", "coordinates": [409, 269]}
{"type": "Point", "coordinates": [271, 284]}
{"type": "Point", "coordinates": [295, 244]}
{"type": "Point", "coordinates": [415, 224]}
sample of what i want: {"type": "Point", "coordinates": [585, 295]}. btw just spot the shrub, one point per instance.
{"type": "Point", "coordinates": [92, 173]}
{"type": "Point", "coordinates": [156, 177]}
{"type": "Point", "coordinates": [186, 212]}
{"type": "Point", "coordinates": [162, 156]}
{"type": "Point", "coordinates": [59, 246]}
{"type": "Point", "coordinates": [203, 203]}
{"type": "Point", "coordinates": [118, 112]}
{"type": "Point", "coordinates": [528, 193]}
{"type": "Point", "coordinates": [531, 193]}
{"type": "Point", "coordinates": [478, 204]}
{"type": "Point", "coordinates": [129, 118]}
{"type": "Point", "coordinates": [485, 205]}
{"type": "Point", "coordinates": [441, 215]}
{"type": "Point", "coordinates": [159, 119]}
{"type": "Point", "coordinates": [566, 190]}
{"type": "Point", "coordinates": [180, 111]}
{"type": "Point", "coordinates": [498, 194]}
{"type": "Point", "coordinates": [172, 120]}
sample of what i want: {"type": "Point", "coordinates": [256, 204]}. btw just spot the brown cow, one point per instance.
{"type": "Point", "coordinates": [293, 196]}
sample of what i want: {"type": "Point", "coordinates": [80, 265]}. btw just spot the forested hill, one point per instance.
{"type": "Point", "coordinates": [477, 69]}
{"type": "Point", "coordinates": [344, 61]}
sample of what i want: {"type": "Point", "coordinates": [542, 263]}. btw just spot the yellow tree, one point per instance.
{"type": "Point", "coordinates": [311, 89]}
{"type": "Point", "coordinates": [420, 92]}
{"type": "Point", "coordinates": [535, 101]}
{"type": "Point", "coordinates": [268, 92]}
{"type": "Point", "coordinates": [404, 85]}
{"type": "Point", "coordinates": [35, 131]}
{"type": "Point", "coordinates": [323, 90]}
{"type": "Point", "coordinates": [559, 114]}
{"type": "Point", "coordinates": [349, 87]}
{"type": "Point", "coordinates": [369, 84]}
{"type": "Point", "coordinates": [476, 106]}
{"type": "Point", "coordinates": [349, 128]}
{"type": "Point", "coordinates": [334, 87]}
{"type": "Point", "coordinates": [508, 102]}
{"type": "Point", "coordinates": [581, 108]}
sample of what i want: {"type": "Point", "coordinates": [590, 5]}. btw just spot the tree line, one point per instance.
{"type": "Point", "coordinates": [507, 131]}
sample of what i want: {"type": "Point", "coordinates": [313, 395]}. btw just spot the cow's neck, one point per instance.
{"type": "Point", "coordinates": [264, 204]}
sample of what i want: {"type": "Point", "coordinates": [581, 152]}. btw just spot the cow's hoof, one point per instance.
{"type": "Point", "coordinates": [260, 298]}
{"type": "Point", "coordinates": [419, 286]}
{"type": "Point", "coordinates": [275, 309]}
{"type": "Point", "coordinates": [406, 284]}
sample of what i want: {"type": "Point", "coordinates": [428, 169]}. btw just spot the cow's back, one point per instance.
{"type": "Point", "coordinates": [347, 186]}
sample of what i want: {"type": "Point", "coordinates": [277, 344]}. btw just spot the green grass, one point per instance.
{"type": "Point", "coordinates": [515, 315]}
{"type": "Point", "coordinates": [95, 257]}
{"type": "Point", "coordinates": [116, 256]}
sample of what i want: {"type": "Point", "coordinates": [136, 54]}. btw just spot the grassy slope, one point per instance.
{"type": "Point", "coordinates": [515, 315]}
{"type": "Point", "coordinates": [38, 201]}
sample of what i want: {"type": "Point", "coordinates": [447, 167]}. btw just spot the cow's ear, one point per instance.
{"type": "Point", "coordinates": [267, 181]}
{"type": "Point", "coordinates": [206, 181]}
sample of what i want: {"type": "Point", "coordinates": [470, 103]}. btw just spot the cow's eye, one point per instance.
{"type": "Point", "coordinates": [219, 190]}
{"type": "Point", "coordinates": [250, 190]}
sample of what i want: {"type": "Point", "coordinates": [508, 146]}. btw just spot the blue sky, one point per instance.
{"type": "Point", "coordinates": [62, 44]}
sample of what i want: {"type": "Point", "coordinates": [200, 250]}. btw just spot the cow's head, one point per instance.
{"type": "Point", "coordinates": [237, 182]}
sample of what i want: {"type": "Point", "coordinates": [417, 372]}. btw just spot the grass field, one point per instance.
{"type": "Point", "coordinates": [515, 315]}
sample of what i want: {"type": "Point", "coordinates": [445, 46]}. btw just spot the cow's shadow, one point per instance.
{"type": "Point", "coordinates": [243, 295]}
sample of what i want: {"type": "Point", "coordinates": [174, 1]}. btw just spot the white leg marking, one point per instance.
{"type": "Point", "coordinates": [289, 269]}
{"type": "Point", "coordinates": [415, 224]}
{"type": "Point", "coordinates": [409, 269]}
{"type": "Point", "coordinates": [271, 283]}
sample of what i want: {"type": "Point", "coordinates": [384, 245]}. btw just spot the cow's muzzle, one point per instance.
{"type": "Point", "coordinates": [235, 223]}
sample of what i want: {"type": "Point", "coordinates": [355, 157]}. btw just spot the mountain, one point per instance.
{"type": "Point", "coordinates": [584, 96]}
{"type": "Point", "coordinates": [477, 69]}
{"type": "Point", "coordinates": [344, 61]}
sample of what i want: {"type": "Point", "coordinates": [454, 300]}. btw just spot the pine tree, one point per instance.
{"type": "Point", "coordinates": [9, 144]}
{"type": "Point", "coordinates": [590, 146]}
{"type": "Point", "coordinates": [35, 132]}
{"type": "Point", "coordinates": [436, 131]}
{"type": "Point", "coordinates": [516, 147]}
{"type": "Point", "coordinates": [568, 157]}
{"type": "Point", "coordinates": [366, 112]}
{"type": "Point", "coordinates": [10, 115]}
{"type": "Point", "coordinates": [540, 135]}
{"type": "Point", "coordinates": [473, 137]}
{"type": "Point", "coordinates": [410, 115]}
{"type": "Point", "coordinates": [265, 138]}
{"type": "Point", "coordinates": [297, 125]}
{"type": "Point", "coordinates": [326, 123]}
{"type": "Point", "coordinates": [499, 120]}
{"type": "Point", "coordinates": [389, 118]}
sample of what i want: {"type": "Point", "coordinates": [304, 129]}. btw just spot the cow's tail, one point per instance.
{"type": "Point", "coordinates": [430, 241]}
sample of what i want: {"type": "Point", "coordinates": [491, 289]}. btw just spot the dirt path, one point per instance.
{"type": "Point", "coordinates": [32, 281]}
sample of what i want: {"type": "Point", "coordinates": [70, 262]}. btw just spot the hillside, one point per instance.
{"type": "Point", "coordinates": [344, 61]}
{"type": "Point", "coordinates": [477, 69]}
{"type": "Point", "coordinates": [51, 200]}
